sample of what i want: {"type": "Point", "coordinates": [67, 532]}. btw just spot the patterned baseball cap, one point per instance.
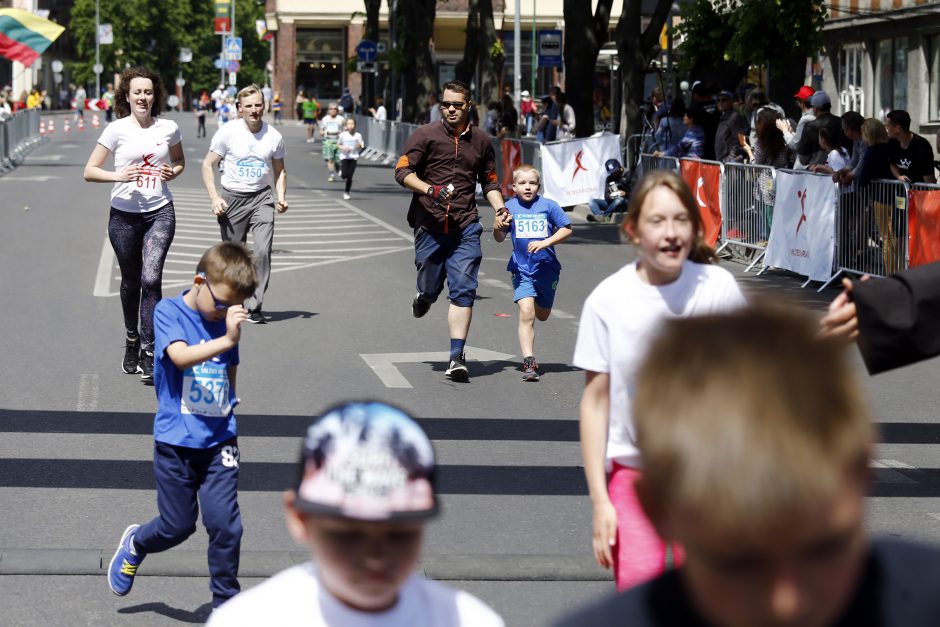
{"type": "Point", "coordinates": [367, 461]}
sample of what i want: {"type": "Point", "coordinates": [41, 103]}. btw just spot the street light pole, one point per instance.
{"type": "Point", "coordinates": [97, 50]}
{"type": "Point", "coordinates": [517, 55]}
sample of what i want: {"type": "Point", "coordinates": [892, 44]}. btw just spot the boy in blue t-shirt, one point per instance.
{"type": "Point", "coordinates": [195, 449]}
{"type": "Point", "coordinates": [537, 225]}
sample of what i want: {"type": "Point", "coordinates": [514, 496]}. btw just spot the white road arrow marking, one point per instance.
{"type": "Point", "coordinates": [383, 364]}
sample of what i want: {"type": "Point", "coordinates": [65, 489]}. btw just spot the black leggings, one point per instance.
{"type": "Point", "coordinates": [347, 167]}
{"type": "Point", "coordinates": [141, 242]}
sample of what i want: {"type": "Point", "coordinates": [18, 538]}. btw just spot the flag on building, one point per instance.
{"type": "Point", "coordinates": [24, 36]}
{"type": "Point", "coordinates": [262, 27]}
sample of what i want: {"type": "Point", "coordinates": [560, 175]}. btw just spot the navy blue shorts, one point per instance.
{"type": "Point", "coordinates": [541, 288]}
{"type": "Point", "coordinates": [454, 255]}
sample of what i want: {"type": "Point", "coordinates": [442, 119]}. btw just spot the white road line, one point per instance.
{"type": "Point", "coordinates": [887, 474]}
{"type": "Point", "coordinates": [497, 283]}
{"type": "Point", "coordinates": [103, 277]}
{"type": "Point", "coordinates": [87, 393]}
{"type": "Point", "coordinates": [558, 313]}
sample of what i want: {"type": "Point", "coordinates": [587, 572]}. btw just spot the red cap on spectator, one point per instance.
{"type": "Point", "coordinates": [805, 92]}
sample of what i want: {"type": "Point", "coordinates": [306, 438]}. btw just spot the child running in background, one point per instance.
{"type": "Point", "coordinates": [757, 444]}
{"type": "Point", "coordinates": [672, 277]}
{"type": "Point", "coordinates": [537, 225]}
{"type": "Point", "coordinates": [350, 143]}
{"type": "Point", "coordinates": [364, 494]}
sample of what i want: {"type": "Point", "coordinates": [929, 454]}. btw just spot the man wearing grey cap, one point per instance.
{"type": "Point", "coordinates": [365, 488]}
{"type": "Point", "coordinates": [732, 126]}
{"type": "Point", "coordinates": [809, 142]}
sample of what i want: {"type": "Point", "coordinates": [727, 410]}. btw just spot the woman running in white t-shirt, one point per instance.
{"type": "Point", "coordinates": [673, 277]}
{"type": "Point", "coordinates": [148, 152]}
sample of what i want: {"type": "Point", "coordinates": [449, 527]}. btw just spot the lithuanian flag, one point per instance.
{"type": "Point", "coordinates": [24, 36]}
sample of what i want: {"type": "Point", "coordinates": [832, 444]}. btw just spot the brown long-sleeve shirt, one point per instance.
{"type": "Point", "coordinates": [439, 156]}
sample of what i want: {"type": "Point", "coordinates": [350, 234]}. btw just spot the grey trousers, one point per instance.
{"type": "Point", "coordinates": [251, 212]}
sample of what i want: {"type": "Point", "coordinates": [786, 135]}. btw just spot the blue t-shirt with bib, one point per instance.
{"type": "Point", "coordinates": [195, 405]}
{"type": "Point", "coordinates": [536, 221]}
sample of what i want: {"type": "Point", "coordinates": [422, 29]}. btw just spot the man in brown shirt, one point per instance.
{"type": "Point", "coordinates": [442, 163]}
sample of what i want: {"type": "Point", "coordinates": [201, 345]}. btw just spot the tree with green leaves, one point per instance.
{"type": "Point", "coordinates": [585, 33]}
{"type": "Point", "coordinates": [152, 33]}
{"type": "Point", "coordinates": [774, 34]}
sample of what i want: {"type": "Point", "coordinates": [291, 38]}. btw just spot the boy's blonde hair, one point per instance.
{"type": "Point", "coordinates": [747, 419]}
{"type": "Point", "coordinates": [524, 168]}
{"type": "Point", "coordinates": [250, 90]}
{"type": "Point", "coordinates": [230, 263]}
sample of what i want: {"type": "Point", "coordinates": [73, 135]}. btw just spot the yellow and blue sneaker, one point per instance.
{"type": "Point", "coordinates": [124, 564]}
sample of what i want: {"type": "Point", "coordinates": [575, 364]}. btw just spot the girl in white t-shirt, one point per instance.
{"type": "Point", "coordinates": [673, 277]}
{"type": "Point", "coordinates": [148, 152]}
{"type": "Point", "coordinates": [836, 155]}
{"type": "Point", "coordinates": [350, 143]}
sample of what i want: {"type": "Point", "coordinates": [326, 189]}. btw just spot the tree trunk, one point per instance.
{"type": "Point", "coordinates": [372, 34]}
{"type": "Point", "coordinates": [785, 77]}
{"type": "Point", "coordinates": [584, 36]}
{"type": "Point", "coordinates": [467, 67]}
{"type": "Point", "coordinates": [488, 89]}
{"type": "Point", "coordinates": [414, 42]}
{"type": "Point", "coordinates": [636, 47]}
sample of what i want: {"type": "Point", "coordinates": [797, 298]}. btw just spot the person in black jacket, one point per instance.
{"type": "Point", "coordinates": [809, 140]}
{"type": "Point", "coordinates": [616, 188]}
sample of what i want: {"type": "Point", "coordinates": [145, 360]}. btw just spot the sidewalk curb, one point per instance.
{"type": "Point", "coordinates": [266, 563]}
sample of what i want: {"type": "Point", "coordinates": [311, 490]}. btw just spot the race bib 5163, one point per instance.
{"type": "Point", "coordinates": [531, 225]}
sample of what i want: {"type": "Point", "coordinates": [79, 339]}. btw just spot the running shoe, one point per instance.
{"type": "Point", "coordinates": [330, 179]}
{"type": "Point", "coordinates": [256, 317]}
{"type": "Point", "coordinates": [530, 369]}
{"type": "Point", "coordinates": [419, 306]}
{"type": "Point", "coordinates": [457, 369]}
{"type": "Point", "coordinates": [145, 367]}
{"type": "Point", "coordinates": [124, 564]}
{"type": "Point", "coordinates": [345, 196]}
{"type": "Point", "coordinates": [131, 355]}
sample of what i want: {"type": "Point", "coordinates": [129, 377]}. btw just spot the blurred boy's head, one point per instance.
{"type": "Point", "coordinates": [756, 443]}
{"type": "Point", "coordinates": [365, 489]}
{"type": "Point", "coordinates": [225, 276]}
{"type": "Point", "coordinates": [526, 181]}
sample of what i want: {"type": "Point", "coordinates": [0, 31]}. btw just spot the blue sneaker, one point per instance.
{"type": "Point", "coordinates": [124, 564]}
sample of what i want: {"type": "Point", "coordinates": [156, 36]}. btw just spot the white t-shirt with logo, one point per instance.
{"type": "Point", "coordinates": [247, 155]}
{"type": "Point", "coordinates": [149, 147]}
{"type": "Point", "coordinates": [619, 320]}
{"type": "Point", "coordinates": [349, 145]}
{"type": "Point", "coordinates": [296, 598]}
{"type": "Point", "coordinates": [331, 127]}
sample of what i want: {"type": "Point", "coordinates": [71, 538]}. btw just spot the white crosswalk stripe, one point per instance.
{"type": "Point", "coordinates": [316, 230]}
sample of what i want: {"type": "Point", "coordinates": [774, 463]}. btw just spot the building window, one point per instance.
{"type": "Point", "coordinates": [892, 75]}
{"type": "Point", "coordinates": [851, 93]}
{"type": "Point", "coordinates": [321, 62]}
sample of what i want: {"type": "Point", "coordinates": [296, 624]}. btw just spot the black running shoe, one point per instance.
{"type": "Point", "coordinates": [419, 306]}
{"type": "Point", "coordinates": [256, 317]}
{"type": "Point", "coordinates": [530, 369]}
{"type": "Point", "coordinates": [131, 355]}
{"type": "Point", "coordinates": [457, 369]}
{"type": "Point", "coordinates": [145, 367]}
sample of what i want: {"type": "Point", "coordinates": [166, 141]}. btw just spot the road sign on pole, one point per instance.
{"type": "Point", "coordinates": [367, 51]}
{"type": "Point", "coordinates": [366, 67]}
{"type": "Point", "coordinates": [550, 48]}
{"type": "Point", "coordinates": [233, 48]}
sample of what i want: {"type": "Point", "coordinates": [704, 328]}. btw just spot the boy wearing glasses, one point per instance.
{"type": "Point", "coordinates": [195, 450]}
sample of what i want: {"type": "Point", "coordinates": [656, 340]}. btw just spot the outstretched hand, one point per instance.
{"type": "Point", "coordinates": [841, 320]}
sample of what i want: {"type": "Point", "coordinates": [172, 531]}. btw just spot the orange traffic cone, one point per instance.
{"type": "Point", "coordinates": [66, 127]}
{"type": "Point", "coordinates": [81, 124]}
{"type": "Point", "coordinates": [95, 122]}
{"type": "Point", "coordinates": [42, 127]}
{"type": "Point", "coordinates": [51, 127]}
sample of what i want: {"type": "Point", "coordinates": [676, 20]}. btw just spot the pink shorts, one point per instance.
{"type": "Point", "coordinates": [639, 553]}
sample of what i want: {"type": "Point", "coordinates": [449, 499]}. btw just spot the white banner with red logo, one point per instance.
{"type": "Point", "coordinates": [573, 171]}
{"type": "Point", "coordinates": [802, 238]}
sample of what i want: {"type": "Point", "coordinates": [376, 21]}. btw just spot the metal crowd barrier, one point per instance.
{"type": "Point", "coordinates": [650, 162]}
{"type": "Point", "coordinates": [748, 204]}
{"type": "Point", "coordinates": [19, 135]}
{"type": "Point", "coordinates": [871, 229]}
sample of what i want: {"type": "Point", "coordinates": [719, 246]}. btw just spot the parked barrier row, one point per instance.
{"type": "Point", "coordinates": [19, 134]}
{"type": "Point", "coordinates": [871, 230]}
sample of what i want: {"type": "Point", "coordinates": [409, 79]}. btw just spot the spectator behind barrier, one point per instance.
{"type": "Point", "coordinates": [616, 188]}
{"type": "Point", "coordinates": [759, 467]}
{"type": "Point", "coordinates": [809, 142]}
{"type": "Point", "coordinates": [692, 144]}
{"type": "Point", "coordinates": [910, 154]}
{"type": "Point", "coordinates": [671, 127]}
{"type": "Point", "coordinates": [792, 136]}
{"type": "Point", "coordinates": [732, 130]}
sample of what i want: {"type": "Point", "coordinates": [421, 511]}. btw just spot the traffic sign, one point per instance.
{"type": "Point", "coordinates": [233, 48]}
{"type": "Point", "coordinates": [223, 25]}
{"type": "Point", "coordinates": [233, 66]}
{"type": "Point", "coordinates": [367, 50]}
{"type": "Point", "coordinates": [366, 67]}
{"type": "Point", "coordinates": [180, 82]}
{"type": "Point", "coordinates": [97, 68]}
{"type": "Point", "coordinates": [186, 55]}
{"type": "Point", "coordinates": [550, 48]}
{"type": "Point", "coordinates": [232, 78]}
{"type": "Point", "coordinates": [219, 64]}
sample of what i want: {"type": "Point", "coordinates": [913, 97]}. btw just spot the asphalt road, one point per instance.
{"type": "Point", "coordinates": [76, 442]}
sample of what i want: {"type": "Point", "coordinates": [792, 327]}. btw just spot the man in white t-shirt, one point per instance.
{"type": "Point", "coordinates": [365, 490]}
{"type": "Point", "coordinates": [254, 162]}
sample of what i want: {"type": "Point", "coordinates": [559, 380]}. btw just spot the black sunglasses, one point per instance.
{"type": "Point", "coordinates": [219, 305]}
{"type": "Point", "coordinates": [455, 105]}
